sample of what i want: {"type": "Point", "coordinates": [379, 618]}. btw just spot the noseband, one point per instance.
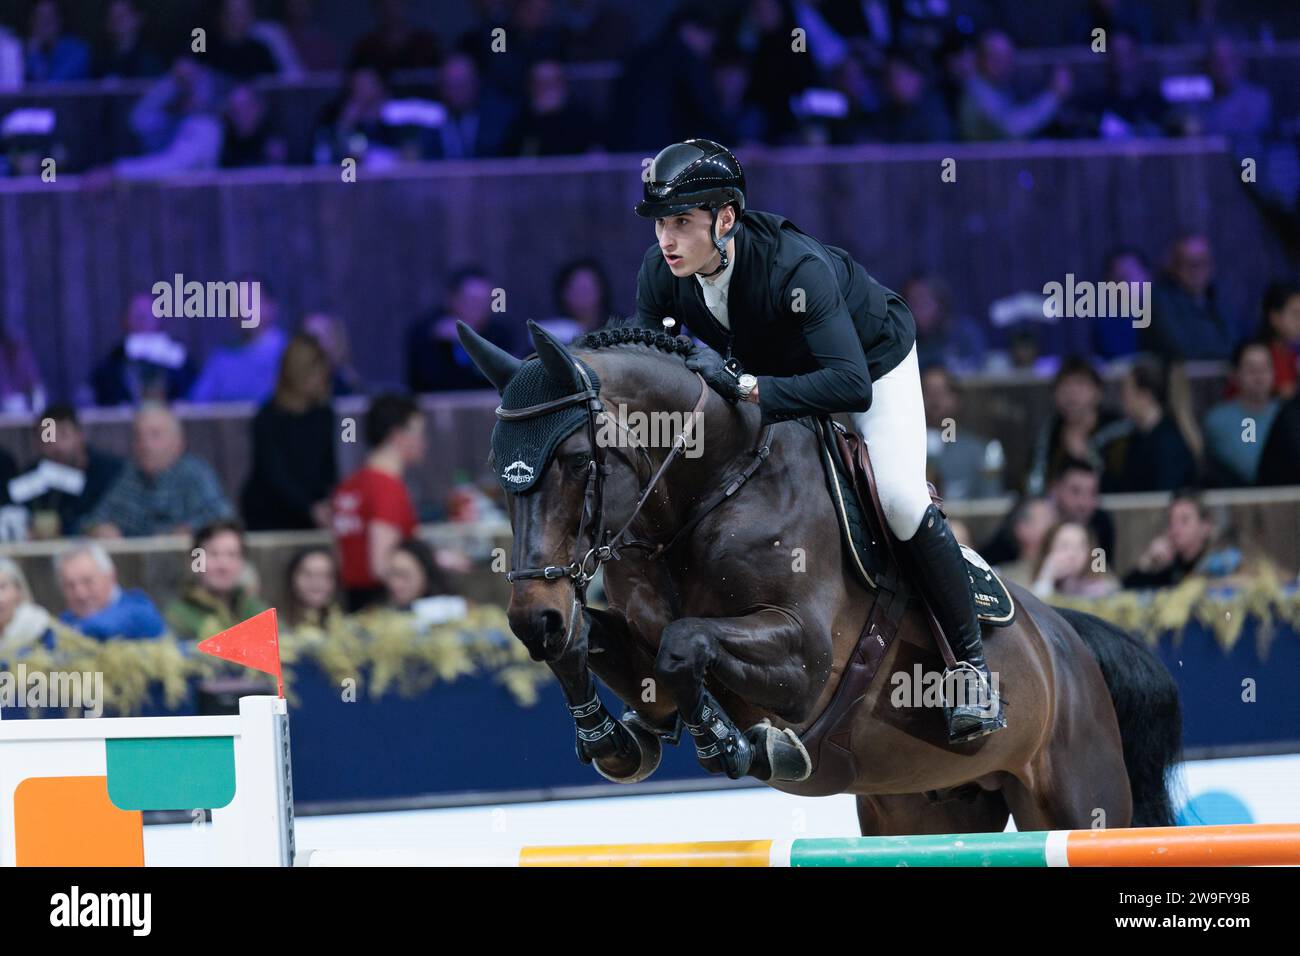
{"type": "Point", "coordinates": [604, 547]}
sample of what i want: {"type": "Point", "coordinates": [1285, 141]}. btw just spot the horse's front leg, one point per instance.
{"type": "Point", "coordinates": [623, 751]}
{"type": "Point", "coordinates": [761, 658]}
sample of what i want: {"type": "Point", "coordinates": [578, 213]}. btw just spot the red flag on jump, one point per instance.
{"type": "Point", "coordinates": [254, 643]}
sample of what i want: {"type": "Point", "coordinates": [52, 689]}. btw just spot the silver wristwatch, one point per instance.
{"type": "Point", "coordinates": [746, 382]}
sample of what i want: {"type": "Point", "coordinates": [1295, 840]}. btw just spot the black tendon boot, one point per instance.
{"type": "Point", "coordinates": [972, 708]}
{"type": "Point", "coordinates": [719, 745]}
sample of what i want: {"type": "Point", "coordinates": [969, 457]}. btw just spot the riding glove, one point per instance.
{"type": "Point", "coordinates": [712, 367]}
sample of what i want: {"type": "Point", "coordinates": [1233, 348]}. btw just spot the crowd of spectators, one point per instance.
{"type": "Point", "coordinates": [862, 72]}
{"type": "Point", "coordinates": [1057, 541]}
{"type": "Point", "coordinates": [221, 590]}
{"type": "Point", "coordinates": [376, 561]}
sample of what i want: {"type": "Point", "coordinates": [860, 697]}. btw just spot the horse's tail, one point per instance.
{"type": "Point", "coordinates": [1150, 716]}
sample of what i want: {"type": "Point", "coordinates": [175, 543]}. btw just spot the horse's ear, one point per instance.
{"type": "Point", "coordinates": [555, 357]}
{"type": "Point", "coordinates": [497, 364]}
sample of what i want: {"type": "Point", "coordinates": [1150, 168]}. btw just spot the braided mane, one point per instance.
{"type": "Point", "coordinates": [626, 332]}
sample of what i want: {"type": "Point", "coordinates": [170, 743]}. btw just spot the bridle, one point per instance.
{"type": "Point", "coordinates": [604, 547]}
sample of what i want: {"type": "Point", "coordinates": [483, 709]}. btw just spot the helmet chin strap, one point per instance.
{"type": "Point", "coordinates": [720, 242]}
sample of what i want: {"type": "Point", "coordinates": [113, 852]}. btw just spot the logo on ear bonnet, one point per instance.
{"type": "Point", "coordinates": [518, 473]}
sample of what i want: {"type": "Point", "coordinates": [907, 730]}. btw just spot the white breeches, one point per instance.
{"type": "Point", "coordinates": [894, 427]}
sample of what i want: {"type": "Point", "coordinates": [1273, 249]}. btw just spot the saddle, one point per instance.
{"type": "Point", "coordinates": [870, 551]}
{"type": "Point", "coordinates": [851, 481]}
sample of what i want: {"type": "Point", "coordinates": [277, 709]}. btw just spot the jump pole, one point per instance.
{"type": "Point", "coordinates": [1234, 845]}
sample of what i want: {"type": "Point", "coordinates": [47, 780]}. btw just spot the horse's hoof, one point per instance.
{"type": "Point", "coordinates": [781, 752]}
{"type": "Point", "coordinates": [671, 734]}
{"type": "Point", "coordinates": [650, 753]}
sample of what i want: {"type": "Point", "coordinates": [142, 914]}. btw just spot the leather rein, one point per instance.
{"type": "Point", "coordinates": [604, 547]}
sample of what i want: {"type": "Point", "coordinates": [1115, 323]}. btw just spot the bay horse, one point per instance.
{"type": "Point", "coordinates": [747, 600]}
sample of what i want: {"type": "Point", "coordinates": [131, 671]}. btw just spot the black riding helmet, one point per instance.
{"type": "Point", "coordinates": [696, 174]}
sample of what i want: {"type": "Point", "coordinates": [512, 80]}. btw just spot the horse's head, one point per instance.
{"type": "Point", "coordinates": [563, 486]}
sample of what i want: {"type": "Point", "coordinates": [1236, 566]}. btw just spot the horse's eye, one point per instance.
{"type": "Point", "coordinates": [577, 462]}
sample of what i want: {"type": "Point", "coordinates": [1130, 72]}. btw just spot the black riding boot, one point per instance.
{"type": "Point", "coordinates": [973, 709]}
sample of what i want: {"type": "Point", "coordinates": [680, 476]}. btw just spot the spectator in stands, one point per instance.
{"type": "Point", "coordinates": [1069, 432]}
{"type": "Point", "coordinates": [963, 464]}
{"type": "Point", "coordinates": [97, 606]}
{"type": "Point", "coordinates": [11, 60]}
{"type": "Point", "coordinates": [233, 49]}
{"type": "Point", "coordinates": [315, 47]}
{"type": "Point", "coordinates": [62, 441]}
{"type": "Point", "coordinates": [23, 622]}
{"type": "Point", "coordinates": [595, 30]}
{"type": "Point", "coordinates": [1076, 494]}
{"type": "Point", "coordinates": [1116, 17]}
{"type": "Point", "coordinates": [581, 291]}
{"type": "Point", "coordinates": [1127, 107]}
{"type": "Point", "coordinates": [552, 124]}
{"type": "Point", "coordinates": [666, 91]}
{"type": "Point", "coordinates": [1239, 108]}
{"type": "Point", "coordinates": [246, 371]}
{"type": "Point", "coordinates": [1019, 544]}
{"type": "Point", "coordinates": [1114, 336]}
{"type": "Point", "coordinates": [1186, 318]}
{"type": "Point", "coordinates": [840, 113]}
{"type": "Point", "coordinates": [779, 72]}
{"type": "Point", "coordinates": [163, 490]}
{"type": "Point", "coordinates": [250, 137]}
{"type": "Point", "coordinates": [8, 471]}
{"type": "Point", "coordinates": [176, 123]}
{"type": "Point", "coordinates": [332, 335]}
{"type": "Point", "coordinates": [739, 120]}
{"type": "Point", "coordinates": [1070, 565]}
{"type": "Point", "coordinates": [1280, 330]}
{"type": "Point", "coordinates": [147, 365]}
{"type": "Point", "coordinates": [535, 35]}
{"type": "Point", "coordinates": [218, 596]}
{"type": "Point", "coordinates": [52, 55]}
{"type": "Point", "coordinates": [957, 64]}
{"type": "Point", "coordinates": [943, 338]}
{"type": "Point", "coordinates": [989, 110]}
{"type": "Point", "coordinates": [293, 469]}
{"type": "Point", "coordinates": [394, 43]}
{"type": "Point", "coordinates": [355, 126]}
{"type": "Point", "coordinates": [871, 25]}
{"type": "Point", "coordinates": [1198, 25]}
{"type": "Point", "coordinates": [1181, 549]}
{"type": "Point", "coordinates": [478, 122]}
{"type": "Point", "coordinates": [372, 509]}
{"type": "Point", "coordinates": [912, 111]}
{"type": "Point", "coordinates": [312, 586]}
{"type": "Point", "coordinates": [435, 361]}
{"type": "Point", "coordinates": [122, 55]}
{"type": "Point", "coordinates": [21, 388]}
{"type": "Point", "coordinates": [1236, 429]}
{"type": "Point", "coordinates": [413, 573]}
{"type": "Point", "coordinates": [1148, 453]}
{"type": "Point", "coordinates": [1279, 461]}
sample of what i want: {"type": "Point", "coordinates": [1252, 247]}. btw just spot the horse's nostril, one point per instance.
{"type": "Point", "coordinates": [550, 622]}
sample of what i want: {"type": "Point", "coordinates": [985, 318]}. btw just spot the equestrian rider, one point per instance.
{"type": "Point", "coordinates": [815, 335]}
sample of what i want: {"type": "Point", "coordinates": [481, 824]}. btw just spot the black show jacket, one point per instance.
{"type": "Point", "coordinates": [805, 318]}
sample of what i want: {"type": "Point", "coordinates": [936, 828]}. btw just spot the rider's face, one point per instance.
{"type": "Point", "coordinates": [685, 243]}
